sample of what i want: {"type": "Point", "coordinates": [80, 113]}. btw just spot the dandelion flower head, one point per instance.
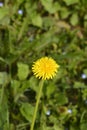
{"type": "Point", "coordinates": [45, 68]}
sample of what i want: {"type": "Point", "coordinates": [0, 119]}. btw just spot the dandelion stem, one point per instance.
{"type": "Point", "coordinates": [37, 103]}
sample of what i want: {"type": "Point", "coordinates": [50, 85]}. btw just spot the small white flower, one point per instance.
{"type": "Point", "coordinates": [48, 113]}
{"type": "Point", "coordinates": [83, 76]}
{"type": "Point", "coordinates": [69, 111]}
{"type": "Point", "coordinates": [20, 11]}
{"type": "Point", "coordinates": [1, 4]}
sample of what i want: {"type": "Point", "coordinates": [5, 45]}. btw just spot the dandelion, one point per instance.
{"type": "Point", "coordinates": [45, 68]}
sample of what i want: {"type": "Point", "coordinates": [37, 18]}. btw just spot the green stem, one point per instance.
{"type": "Point", "coordinates": [37, 103]}
{"type": "Point", "coordinates": [82, 116]}
{"type": "Point", "coordinates": [2, 95]}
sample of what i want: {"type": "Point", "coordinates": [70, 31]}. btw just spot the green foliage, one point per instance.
{"type": "Point", "coordinates": [31, 29]}
{"type": "Point", "coordinates": [70, 2]}
{"type": "Point", "coordinates": [27, 111]}
{"type": "Point", "coordinates": [23, 71]}
{"type": "Point", "coordinates": [50, 6]}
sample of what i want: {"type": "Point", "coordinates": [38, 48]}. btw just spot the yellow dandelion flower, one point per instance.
{"type": "Point", "coordinates": [45, 68]}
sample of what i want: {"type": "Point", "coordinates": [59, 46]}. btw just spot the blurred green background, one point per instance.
{"type": "Point", "coordinates": [31, 29]}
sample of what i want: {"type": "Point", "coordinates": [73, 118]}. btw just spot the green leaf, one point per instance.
{"type": "Point", "coordinates": [70, 2]}
{"type": "Point", "coordinates": [27, 110]}
{"type": "Point", "coordinates": [74, 127]}
{"type": "Point", "coordinates": [61, 98]}
{"type": "Point", "coordinates": [79, 85]}
{"type": "Point", "coordinates": [85, 71]}
{"type": "Point", "coordinates": [1, 59]}
{"type": "Point", "coordinates": [85, 24]}
{"type": "Point", "coordinates": [36, 19]}
{"type": "Point", "coordinates": [56, 127]}
{"type": "Point", "coordinates": [48, 21]}
{"type": "Point", "coordinates": [4, 113]}
{"type": "Point", "coordinates": [5, 20]}
{"type": "Point", "coordinates": [50, 6]}
{"type": "Point", "coordinates": [50, 89]}
{"type": "Point", "coordinates": [23, 71]}
{"type": "Point", "coordinates": [83, 126]}
{"type": "Point", "coordinates": [33, 84]}
{"type": "Point", "coordinates": [3, 12]}
{"type": "Point", "coordinates": [74, 19]}
{"type": "Point", "coordinates": [15, 84]}
{"type": "Point", "coordinates": [4, 78]}
{"type": "Point", "coordinates": [64, 13]}
{"type": "Point", "coordinates": [20, 1]}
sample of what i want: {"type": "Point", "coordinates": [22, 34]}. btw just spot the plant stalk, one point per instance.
{"type": "Point", "coordinates": [37, 104]}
